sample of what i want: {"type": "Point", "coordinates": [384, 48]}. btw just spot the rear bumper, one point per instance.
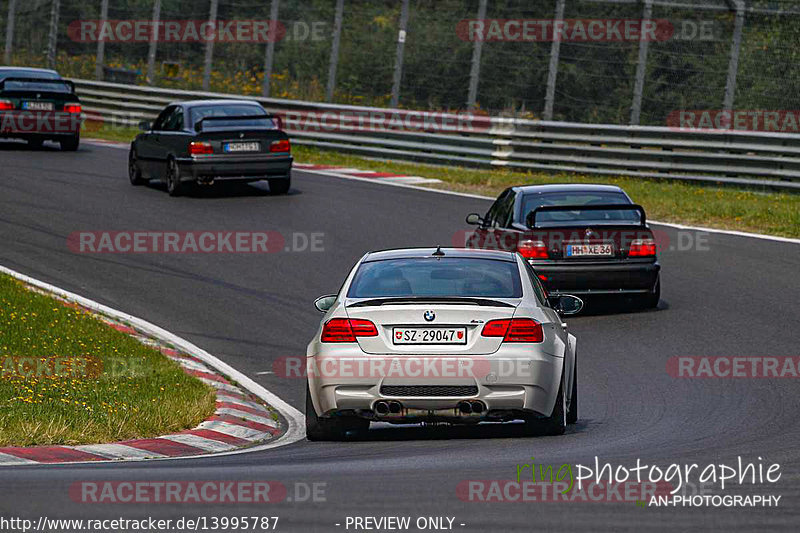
{"type": "Point", "coordinates": [509, 387]}
{"type": "Point", "coordinates": [599, 278]}
{"type": "Point", "coordinates": [35, 135]}
{"type": "Point", "coordinates": [235, 167]}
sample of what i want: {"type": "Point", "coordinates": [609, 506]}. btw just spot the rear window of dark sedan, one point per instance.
{"type": "Point", "coordinates": [43, 85]}
{"type": "Point", "coordinates": [215, 116]}
{"type": "Point", "coordinates": [577, 216]}
{"type": "Point", "coordinates": [430, 277]}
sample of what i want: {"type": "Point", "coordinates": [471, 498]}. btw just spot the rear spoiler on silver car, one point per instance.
{"type": "Point", "coordinates": [530, 220]}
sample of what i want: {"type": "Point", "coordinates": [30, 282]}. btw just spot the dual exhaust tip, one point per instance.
{"type": "Point", "coordinates": [384, 408]}
{"type": "Point", "coordinates": [474, 406]}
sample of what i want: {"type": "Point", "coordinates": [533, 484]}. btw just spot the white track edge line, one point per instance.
{"type": "Point", "coordinates": [481, 197]}
{"type": "Point", "coordinates": [294, 418]}
{"type": "Point", "coordinates": [332, 172]}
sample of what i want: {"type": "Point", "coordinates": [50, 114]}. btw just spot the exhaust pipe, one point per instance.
{"type": "Point", "coordinates": [478, 407]}
{"type": "Point", "coordinates": [395, 407]}
{"type": "Point", "coordinates": [465, 407]}
{"type": "Point", "coordinates": [382, 408]}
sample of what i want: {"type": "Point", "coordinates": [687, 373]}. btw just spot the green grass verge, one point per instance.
{"type": "Point", "coordinates": [667, 201]}
{"type": "Point", "coordinates": [68, 378]}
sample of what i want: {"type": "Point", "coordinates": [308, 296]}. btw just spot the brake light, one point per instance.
{"type": "Point", "coordinates": [280, 146]}
{"type": "Point", "coordinates": [514, 330]}
{"type": "Point", "coordinates": [344, 330]}
{"type": "Point", "coordinates": [642, 248]}
{"type": "Point", "coordinates": [72, 108]}
{"type": "Point", "coordinates": [6, 105]}
{"type": "Point", "coordinates": [200, 148]}
{"type": "Point", "coordinates": [532, 249]}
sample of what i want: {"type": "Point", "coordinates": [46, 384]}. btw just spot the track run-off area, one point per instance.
{"type": "Point", "coordinates": [722, 295]}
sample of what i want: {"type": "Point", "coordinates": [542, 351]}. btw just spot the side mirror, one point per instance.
{"type": "Point", "coordinates": [145, 125]}
{"type": "Point", "coordinates": [567, 304]}
{"type": "Point", "coordinates": [324, 303]}
{"type": "Point", "coordinates": [474, 219]}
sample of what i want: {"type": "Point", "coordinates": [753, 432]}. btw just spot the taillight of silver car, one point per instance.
{"type": "Point", "coordinates": [345, 330]}
{"type": "Point", "coordinates": [514, 330]}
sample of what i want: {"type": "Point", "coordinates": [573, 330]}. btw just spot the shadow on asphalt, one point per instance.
{"type": "Point", "coordinates": [22, 146]}
{"type": "Point", "coordinates": [491, 430]}
{"type": "Point", "coordinates": [221, 190]}
{"type": "Point", "coordinates": [615, 305]}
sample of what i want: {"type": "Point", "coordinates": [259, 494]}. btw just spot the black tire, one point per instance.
{"type": "Point", "coordinates": [572, 413]}
{"type": "Point", "coordinates": [651, 299]}
{"type": "Point", "coordinates": [70, 144]}
{"type": "Point", "coordinates": [334, 428]}
{"type": "Point", "coordinates": [556, 423]}
{"type": "Point", "coordinates": [173, 178]}
{"type": "Point", "coordinates": [134, 172]}
{"type": "Point", "coordinates": [35, 144]}
{"type": "Point", "coordinates": [280, 186]}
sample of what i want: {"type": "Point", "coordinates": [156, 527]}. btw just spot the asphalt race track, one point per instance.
{"type": "Point", "coordinates": [733, 296]}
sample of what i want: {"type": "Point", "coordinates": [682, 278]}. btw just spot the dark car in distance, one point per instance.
{"type": "Point", "coordinates": [37, 105]}
{"type": "Point", "coordinates": [205, 141]}
{"type": "Point", "coordinates": [581, 239]}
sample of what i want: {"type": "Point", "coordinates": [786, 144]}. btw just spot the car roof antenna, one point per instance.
{"type": "Point", "coordinates": [438, 252]}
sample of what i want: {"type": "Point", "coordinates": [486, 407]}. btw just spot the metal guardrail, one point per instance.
{"type": "Point", "coordinates": [737, 158]}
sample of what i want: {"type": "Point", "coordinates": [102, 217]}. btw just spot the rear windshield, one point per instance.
{"type": "Point", "coordinates": [260, 118]}
{"type": "Point", "coordinates": [50, 86]}
{"type": "Point", "coordinates": [445, 277]}
{"type": "Point", "coordinates": [578, 217]}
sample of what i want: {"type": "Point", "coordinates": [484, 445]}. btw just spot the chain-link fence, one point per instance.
{"type": "Point", "coordinates": [594, 61]}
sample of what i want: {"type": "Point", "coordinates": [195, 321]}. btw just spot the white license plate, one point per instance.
{"type": "Point", "coordinates": [38, 106]}
{"type": "Point", "coordinates": [584, 250]}
{"type": "Point", "coordinates": [241, 147]}
{"type": "Point", "coordinates": [429, 335]}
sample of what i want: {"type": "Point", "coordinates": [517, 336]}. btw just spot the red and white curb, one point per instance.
{"type": "Point", "coordinates": [245, 419]}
